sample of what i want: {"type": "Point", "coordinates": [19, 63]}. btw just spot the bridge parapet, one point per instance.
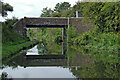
{"type": "Point", "coordinates": [46, 21]}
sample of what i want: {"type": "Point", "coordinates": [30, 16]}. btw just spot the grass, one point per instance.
{"type": "Point", "coordinates": [12, 41]}
{"type": "Point", "coordinates": [11, 49]}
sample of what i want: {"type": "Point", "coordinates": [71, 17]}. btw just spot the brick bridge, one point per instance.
{"type": "Point", "coordinates": [51, 22]}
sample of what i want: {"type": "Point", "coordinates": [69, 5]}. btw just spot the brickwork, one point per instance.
{"type": "Point", "coordinates": [23, 23]}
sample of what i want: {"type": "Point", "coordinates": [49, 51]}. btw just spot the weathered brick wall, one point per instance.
{"type": "Point", "coordinates": [20, 27]}
{"type": "Point", "coordinates": [46, 21]}
{"type": "Point", "coordinates": [80, 25]}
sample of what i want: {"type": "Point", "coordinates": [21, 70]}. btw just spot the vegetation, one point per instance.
{"type": "Point", "coordinates": [71, 34]}
{"type": "Point", "coordinates": [46, 12]}
{"type": "Point", "coordinates": [9, 36]}
{"type": "Point", "coordinates": [106, 41]}
{"type": "Point", "coordinates": [12, 49]}
{"type": "Point", "coordinates": [63, 9]}
{"type": "Point", "coordinates": [12, 42]}
{"type": "Point", "coordinates": [5, 8]}
{"type": "Point", "coordinates": [91, 63]}
{"type": "Point", "coordinates": [45, 34]}
{"type": "Point", "coordinates": [102, 62]}
{"type": "Point", "coordinates": [104, 16]}
{"type": "Point", "coordinates": [106, 19]}
{"type": "Point", "coordinates": [49, 48]}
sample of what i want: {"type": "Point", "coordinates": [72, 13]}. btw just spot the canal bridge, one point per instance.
{"type": "Point", "coordinates": [52, 22]}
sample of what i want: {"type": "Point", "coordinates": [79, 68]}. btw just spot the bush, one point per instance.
{"type": "Point", "coordinates": [99, 40]}
{"type": "Point", "coordinates": [9, 36]}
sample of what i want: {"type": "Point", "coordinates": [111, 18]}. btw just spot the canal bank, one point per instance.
{"type": "Point", "coordinates": [12, 41]}
{"type": "Point", "coordinates": [78, 63]}
{"type": "Point", "coordinates": [10, 50]}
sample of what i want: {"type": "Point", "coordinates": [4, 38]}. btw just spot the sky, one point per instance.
{"type": "Point", "coordinates": [32, 8]}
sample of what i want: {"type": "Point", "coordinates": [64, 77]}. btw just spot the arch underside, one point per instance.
{"type": "Point", "coordinates": [46, 26]}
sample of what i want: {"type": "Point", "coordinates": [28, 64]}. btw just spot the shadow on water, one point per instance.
{"type": "Point", "coordinates": [52, 60]}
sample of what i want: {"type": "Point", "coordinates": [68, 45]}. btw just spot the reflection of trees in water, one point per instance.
{"type": "Point", "coordinates": [89, 63]}
{"type": "Point", "coordinates": [98, 70]}
{"type": "Point", "coordinates": [105, 64]}
{"type": "Point", "coordinates": [42, 48]}
{"type": "Point", "coordinates": [4, 76]}
{"type": "Point", "coordinates": [47, 47]}
{"type": "Point", "coordinates": [13, 62]}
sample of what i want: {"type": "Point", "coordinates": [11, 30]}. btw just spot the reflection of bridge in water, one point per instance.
{"type": "Point", "coordinates": [41, 60]}
{"type": "Point", "coordinates": [33, 58]}
{"type": "Point", "coordinates": [52, 60]}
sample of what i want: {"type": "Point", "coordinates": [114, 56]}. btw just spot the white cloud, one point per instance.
{"type": "Point", "coordinates": [32, 8]}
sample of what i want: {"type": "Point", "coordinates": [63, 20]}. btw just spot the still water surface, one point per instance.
{"type": "Point", "coordinates": [48, 61]}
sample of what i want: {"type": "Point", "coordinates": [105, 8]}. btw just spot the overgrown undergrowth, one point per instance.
{"type": "Point", "coordinates": [92, 39]}
{"type": "Point", "coordinates": [13, 42]}
{"type": "Point", "coordinates": [10, 37]}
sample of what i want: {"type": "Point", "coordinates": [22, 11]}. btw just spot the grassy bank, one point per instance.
{"type": "Point", "coordinates": [12, 49]}
{"type": "Point", "coordinates": [105, 41]}
{"type": "Point", "coordinates": [13, 42]}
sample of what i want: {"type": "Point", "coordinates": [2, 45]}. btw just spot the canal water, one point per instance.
{"type": "Point", "coordinates": [62, 61]}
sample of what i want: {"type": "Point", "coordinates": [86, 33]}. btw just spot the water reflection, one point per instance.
{"type": "Point", "coordinates": [39, 72]}
{"type": "Point", "coordinates": [102, 65]}
{"type": "Point", "coordinates": [33, 51]}
{"type": "Point", "coordinates": [45, 49]}
{"type": "Point", "coordinates": [55, 61]}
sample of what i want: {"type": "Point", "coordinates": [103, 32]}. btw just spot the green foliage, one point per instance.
{"type": "Point", "coordinates": [61, 10]}
{"type": "Point", "coordinates": [67, 13]}
{"type": "Point", "coordinates": [42, 50]}
{"type": "Point", "coordinates": [51, 34]}
{"type": "Point", "coordinates": [11, 49]}
{"type": "Point", "coordinates": [106, 41]}
{"type": "Point", "coordinates": [78, 7]}
{"type": "Point", "coordinates": [46, 34]}
{"type": "Point", "coordinates": [82, 38]}
{"type": "Point", "coordinates": [53, 48]}
{"type": "Point", "coordinates": [9, 36]}
{"type": "Point", "coordinates": [10, 22]}
{"type": "Point", "coordinates": [11, 39]}
{"type": "Point", "coordinates": [62, 6]}
{"type": "Point", "coordinates": [5, 8]}
{"type": "Point", "coordinates": [56, 14]}
{"type": "Point", "coordinates": [71, 33]}
{"type": "Point", "coordinates": [93, 63]}
{"type": "Point", "coordinates": [46, 12]}
{"type": "Point", "coordinates": [104, 15]}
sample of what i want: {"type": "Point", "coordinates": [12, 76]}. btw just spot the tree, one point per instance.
{"type": "Point", "coordinates": [67, 13]}
{"type": "Point", "coordinates": [10, 22]}
{"type": "Point", "coordinates": [5, 8]}
{"type": "Point", "coordinates": [104, 15]}
{"type": "Point", "coordinates": [60, 10]}
{"type": "Point", "coordinates": [78, 7]}
{"type": "Point", "coordinates": [46, 12]}
{"type": "Point", "coordinates": [62, 6]}
{"type": "Point", "coordinates": [56, 14]}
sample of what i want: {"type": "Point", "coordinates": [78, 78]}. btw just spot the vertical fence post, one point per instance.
{"type": "Point", "coordinates": [68, 33]}
{"type": "Point", "coordinates": [76, 14]}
